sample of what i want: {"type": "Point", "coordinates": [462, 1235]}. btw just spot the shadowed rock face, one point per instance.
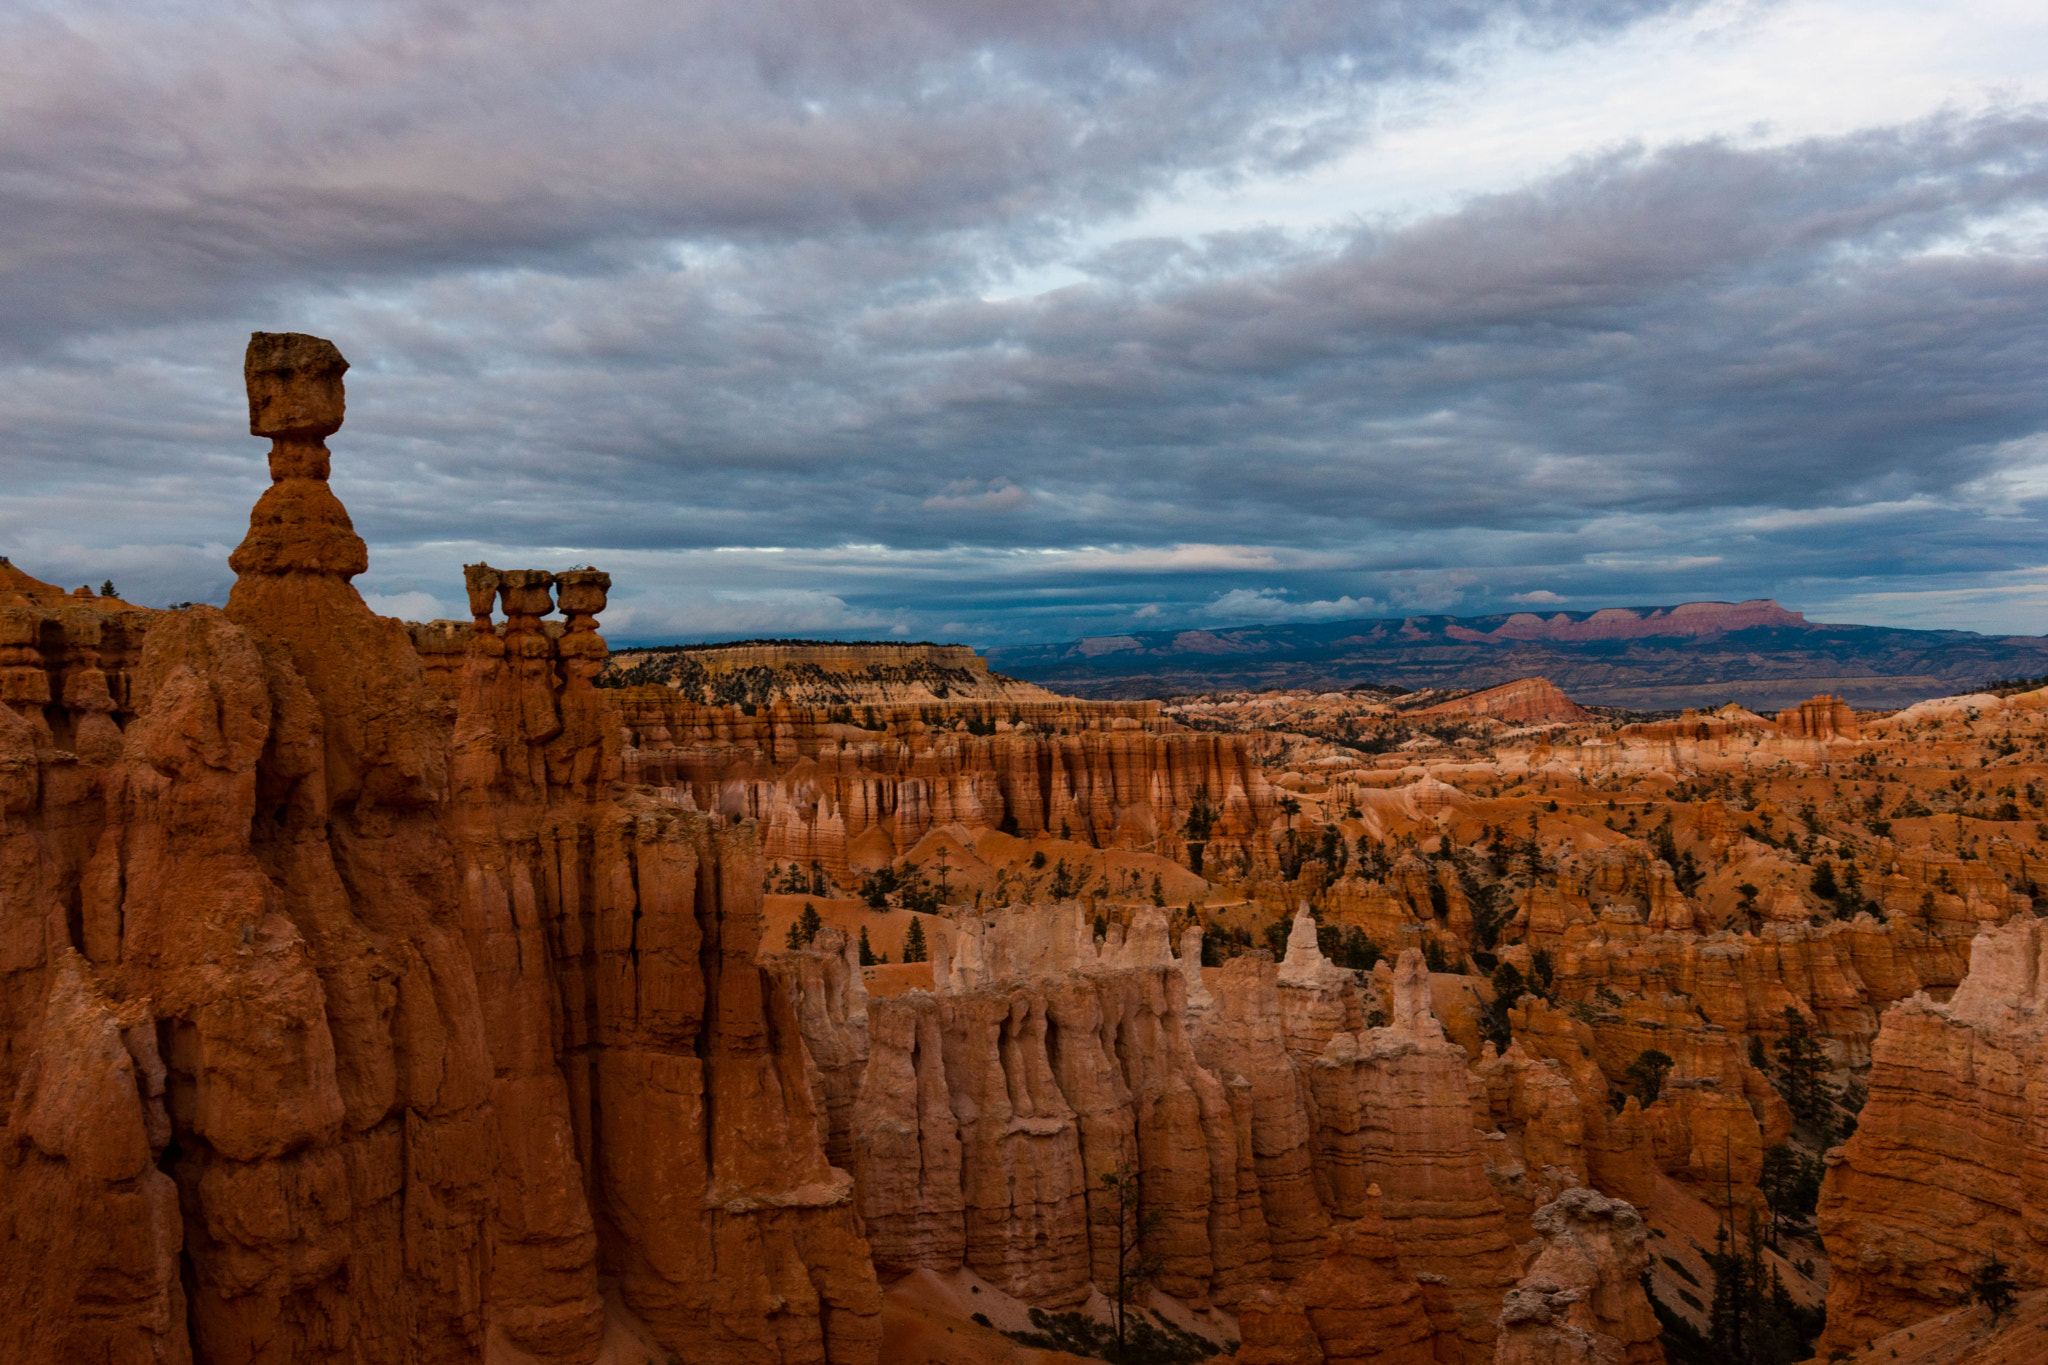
{"type": "Point", "coordinates": [380, 1024]}
{"type": "Point", "coordinates": [1949, 1165]}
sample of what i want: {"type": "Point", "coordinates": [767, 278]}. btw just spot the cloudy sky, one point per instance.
{"type": "Point", "coordinates": [992, 321]}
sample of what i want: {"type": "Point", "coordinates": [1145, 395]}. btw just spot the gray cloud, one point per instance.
{"type": "Point", "coordinates": [715, 296]}
{"type": "Point", "coordinates": [162, 162]}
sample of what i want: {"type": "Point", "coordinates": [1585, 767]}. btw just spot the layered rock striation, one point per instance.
{"type": "Point", "coordinates": [1949, 1165]}
{"type": "Point", "coordinates": [853, 796]}
{"type": "Point", "coordinates": [1526, 701]}
{"type": "Point", "coordinates": [820, 673]}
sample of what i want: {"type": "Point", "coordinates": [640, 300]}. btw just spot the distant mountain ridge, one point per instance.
{"type": "Point", "coordinates": [1657, 657]}
{"type": "Point", "coordinates": [1636, 623]}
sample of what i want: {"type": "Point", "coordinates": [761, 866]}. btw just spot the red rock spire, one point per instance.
{"type": "Point", "coordinates": [296, 399]}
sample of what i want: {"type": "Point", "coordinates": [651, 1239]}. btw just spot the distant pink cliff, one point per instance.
{"type": "Point", "coordinates": [1619, 623]}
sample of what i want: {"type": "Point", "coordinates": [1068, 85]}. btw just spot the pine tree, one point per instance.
{"type": "Point", "coordinates": [1277, 934]}
{"type": "Point", "coordinates": [1728, 1313]}
{"type": "Point", "coordinates": [107, 589]}
{"type": "Point", "coordinates": [805, 927]}
{"type": "Point", "coordinates": [1790, 1185]}
{"type": "Point", "coordinates": [1508, 988]}
{"type": "Point", "coordinates": [1823, 882]}
{"type": "Point", "coordinates": [1360, 952]}
{"type": "Point", "coordinates": [1992, 1286]}
{"type": "Point", "coordinates": [1754, 1319]}
{"type": "Point", "coordinates": [867, 953]}
{"type": "Point", "coordinates": [1135, 1224]}
{"type": "Point", "coordinates": [1201, 819]}
{"type": "Point", "coordinates": [1802, 1075]}
{"type": "Point", "coordinates": [913, 942]}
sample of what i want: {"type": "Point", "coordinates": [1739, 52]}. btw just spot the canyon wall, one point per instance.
{"type": "Point", "coordinates": [851, 797]}
{"type": "Point", "coordinates": [817, 673]}
{"type": "Point", "coordinates": [1949, 1166]}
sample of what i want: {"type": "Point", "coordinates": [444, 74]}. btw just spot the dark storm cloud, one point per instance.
{"type": "Point", "coordinates": [714, 295]}
{"type": "Point", "coordinates": [163, 161]}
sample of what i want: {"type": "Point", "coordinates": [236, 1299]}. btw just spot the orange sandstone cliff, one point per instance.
{"type": "Point", "coordinates": [852, 796]}
{"type": "Point", "coordinates": [1949, 1167]}
{"type": "Point", "coordinates": [343, 1024]}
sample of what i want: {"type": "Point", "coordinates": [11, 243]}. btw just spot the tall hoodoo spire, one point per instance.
{"type": "Point", "coordinates": [296, 399]}
{"type": "Point", "coordinates": [292, 587]}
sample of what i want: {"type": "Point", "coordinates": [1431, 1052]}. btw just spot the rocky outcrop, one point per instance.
{"type": "Point", "coordinates": [1841, 975]}
{"type": "Point", "coordinates": [1274, 1329]}
{"type": "Point", "coordinates": [1045, 1059]}
{"type": "Point", "coordinates": [1949, 1164]}
{"type": "Point", "coordinates": [820, 673]}
{"type": "Point", "coordinates": [991, 1110]}
{"type": "Point", "coordinates": [1392, 1108]}
{"type": "Point", "coordinates": [1581, 1300]}
{"type": "Point", "coordinates": [1359, 1305]}
{"type": "Point", "coordinates": [1361, 1301]}
{"type": "Point", "coordinates": [1245, 1047]}
{"type": "Point", "coordinates": [1526, 701]}
{"type": "Point", "coordinates": [826, 989]}
{"type": "Point", "coordinates": [853, 796]}
{"type": "Point", "coordinates": [1824, 717]}
{"type": "Point", "coordinates": [346, 1023]}
{"type": "Point", "coordinates": [1556, 1125]}
{"type": "Point", "coordinates": [89, 1225]}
